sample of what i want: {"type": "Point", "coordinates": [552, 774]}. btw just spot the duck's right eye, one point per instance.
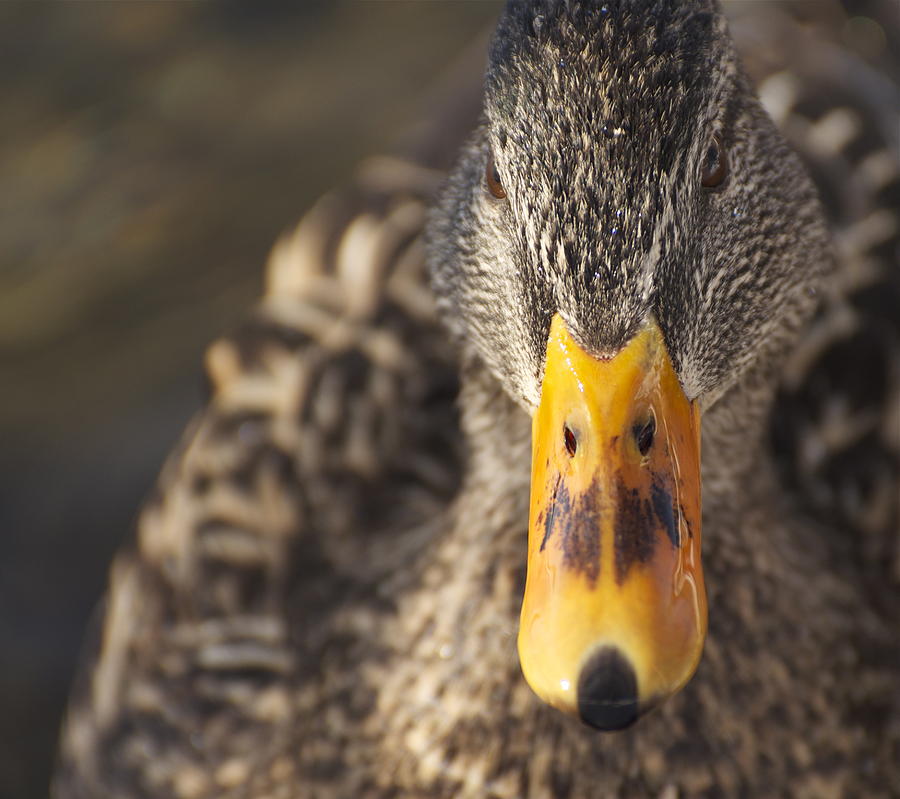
{"type": "Point", "coordinates": [492, 179]}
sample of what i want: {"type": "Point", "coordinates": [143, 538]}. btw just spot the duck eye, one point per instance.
{"type": "Point", "coordinates": [715, 164]}
{"type": "Point", "coordinates": [492, 179]}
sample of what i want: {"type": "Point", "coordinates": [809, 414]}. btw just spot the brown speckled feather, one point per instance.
{"type": "Point", "coordinates": [322, 599]}
{"type": "Point", "coordinates": [328, 433]}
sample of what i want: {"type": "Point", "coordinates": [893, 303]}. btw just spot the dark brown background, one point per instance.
{"type": "Point", "coordinates": [150, 154]}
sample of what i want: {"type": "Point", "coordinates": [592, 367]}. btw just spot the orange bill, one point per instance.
{"type": "Point", "coordinates": [614, 615]}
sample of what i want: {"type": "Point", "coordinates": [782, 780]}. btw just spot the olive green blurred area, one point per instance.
{"type": "Point", "coordinates": [150, 154]}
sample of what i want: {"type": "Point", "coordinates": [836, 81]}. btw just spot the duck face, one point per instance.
{"type": "Point", "coordinates": [623, 239]}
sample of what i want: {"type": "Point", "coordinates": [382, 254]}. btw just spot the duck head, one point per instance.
{"type": "Point", "coordinates": [625, 236]}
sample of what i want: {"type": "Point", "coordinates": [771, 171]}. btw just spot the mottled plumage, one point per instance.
{"type": "Point", "coordinates": [323, 595]}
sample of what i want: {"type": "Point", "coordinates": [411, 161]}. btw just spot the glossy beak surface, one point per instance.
{"type": "Point", "coordinates": [614, 614]}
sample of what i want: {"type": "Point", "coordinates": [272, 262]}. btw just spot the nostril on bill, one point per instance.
{"type": "Point", "coordinates": [607, 691]}
{"type": "Point", "coordinates": [644, 435]}
{"type": "Point", "coordinates": [571, 441]}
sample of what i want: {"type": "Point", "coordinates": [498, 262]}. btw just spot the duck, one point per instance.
{"type": "Point", "coordinates": [437, 530]}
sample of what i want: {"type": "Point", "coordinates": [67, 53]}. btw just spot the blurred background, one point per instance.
{"type": "Point", "coordinates": [150, 154]}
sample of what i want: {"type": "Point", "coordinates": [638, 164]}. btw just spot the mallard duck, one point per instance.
{"type": "Point", "coordinates": [325, 597]}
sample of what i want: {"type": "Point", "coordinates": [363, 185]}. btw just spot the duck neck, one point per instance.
{"type": "Point", "coordinates": [497, 431]}
{"type": "Point", "coordinates": [737, 468]}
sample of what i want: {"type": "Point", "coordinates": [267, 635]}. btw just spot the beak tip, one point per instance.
{"type": "Point", "coordinates": [607, 691]}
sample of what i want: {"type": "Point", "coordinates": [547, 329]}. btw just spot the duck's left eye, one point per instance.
{"type": "Point", "coordinates": [492, 179]}
{"type": "Point", "coordinates": [715, 164]}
